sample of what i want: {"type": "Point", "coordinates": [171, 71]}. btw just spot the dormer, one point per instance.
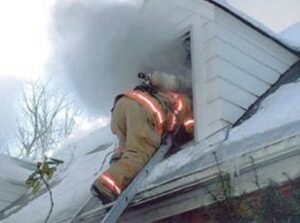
{"type": "Point", "coordinates": [232, 62]}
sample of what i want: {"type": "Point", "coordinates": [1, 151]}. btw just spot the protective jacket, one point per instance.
{"type": "Point", "coordinates": [169, 109]}
{"type": "Point", "coordinates": [140, 120]}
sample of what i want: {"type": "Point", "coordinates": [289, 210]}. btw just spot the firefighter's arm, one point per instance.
{"type": "Point", "coordinates": [188, 120]}
{"type": "Point", "coordinates": [188, 124]}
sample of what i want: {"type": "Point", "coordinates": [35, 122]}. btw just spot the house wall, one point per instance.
{"type": "Point", "coordinates": [240, 65]}
{"type": "Point", "coordinates": [174, 18]}
{"type": "Point", "coordinates": [232, 64]}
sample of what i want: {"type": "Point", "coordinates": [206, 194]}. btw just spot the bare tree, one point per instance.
{"type": "Point", "coordinates": [47, 118]}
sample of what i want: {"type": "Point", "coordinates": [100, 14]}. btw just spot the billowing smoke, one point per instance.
{"type": "Point", "coordinates": [100, 47]}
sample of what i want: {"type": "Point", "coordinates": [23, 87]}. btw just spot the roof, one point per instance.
{"type": "Point", "coordinates": [289, 76]}
{"type": "Point", "coordinates": [180, 183]}
{"type": "Point", "coordinates": [184, 173]}
{"type": "Point", "coordinates": [12, 180]}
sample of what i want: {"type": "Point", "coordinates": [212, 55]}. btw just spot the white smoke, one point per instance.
{"type": "Point", "coordinates": [100, 47]}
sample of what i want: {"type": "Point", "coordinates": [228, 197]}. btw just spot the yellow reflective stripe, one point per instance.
{"type": "Point", "coordinates": [189, 122]}
{"type": "Point", "coordinates": [112, 185]}
{"type": "Point", "coordinates": [154, 109]}
{"type": "Point", "coordinates": [172, 122]}
{"type": "Point", "coordinates": [179, 105]}
{"type": "Point", "coordinates": [179, 102]}
{"type": "Point", "coordinates": [149, 103]}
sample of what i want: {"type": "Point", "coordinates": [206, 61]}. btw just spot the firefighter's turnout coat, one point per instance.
{"type": "Point", "coordinates": [140, 119]}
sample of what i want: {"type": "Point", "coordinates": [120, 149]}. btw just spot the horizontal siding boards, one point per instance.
{"type": "Point", "coordinates": [213, 111]}
{"type": "Point", "coordinates": [245, 62]}
{"type": "Point", "coordinates": [247, 33]}
{"type": "Point", "coordinates": [239, 65]}
{"type": "Point", "coordinates": [214, 30]}
{"type": "Point", "coordinates": [216, 126]}
{"type": "Point", "coordinates": [230, 112]}
{"type": "Point", "coordinates": [219, 88]}
{"type": "Point", "coordinates": [218, 67]}
{"type": "Point", "coordinates": [223, 109]}
{"type": "Point", "coordinates": [249, 49]}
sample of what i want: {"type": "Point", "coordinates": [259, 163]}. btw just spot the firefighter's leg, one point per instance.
{"type": "Point", "coordinates": [118, 127]}
{"type": "Point", "coordinates": [142, 139]}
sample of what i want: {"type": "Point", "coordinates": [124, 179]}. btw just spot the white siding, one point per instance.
{"type": "Point", "coordinates": [219, 67]}
{"type": "Point", "coordinates": [220, 107]}
{"type": "Point", "coordinates": [232, 64]}
{"type": "Point", "coordinates": [250, 64]}
{"type": "Point", "coordinates": [239, 65]}
{"type": "Point", "coordinates": [246, 33]}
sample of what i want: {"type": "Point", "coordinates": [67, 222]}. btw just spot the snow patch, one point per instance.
{"type": "Point", "coordinates": [13, 171]}
{"type": "Point", "coordinates": [292, 35]}
{"type": "Point", "coordinates": [78, 173]}
{"type": "Point", "coordinates": [280, 108]}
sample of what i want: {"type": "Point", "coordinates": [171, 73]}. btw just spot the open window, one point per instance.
{"type": "Point", "coordinates": [174, 57]}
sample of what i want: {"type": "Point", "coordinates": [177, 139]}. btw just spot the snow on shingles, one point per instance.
{"type": "Point", "coordinates": [73, 190]}
{"type": "Point", "coordinates": [183, 159]}
{"type": "Point", "coordinates": [280, 108]}
{"type": "Point", "coordinates": [287, 38]}
{"type": "Point", "coordinates": [169, 165]}
{"type": "Point", "coordinates": [11, 170]}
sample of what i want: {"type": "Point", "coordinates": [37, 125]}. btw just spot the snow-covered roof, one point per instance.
{"type": "Point", "coordinates": [73, 182]}
{"type": "Point", "coordinates": [12, 180]}
{"type": "Point", "coordinates": [277, 117]}
{"type": "Point", "coordinates": [288, 38]}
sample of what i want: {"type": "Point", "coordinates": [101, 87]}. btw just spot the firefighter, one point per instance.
{"type": "Point", "coordinates": [140, 119]}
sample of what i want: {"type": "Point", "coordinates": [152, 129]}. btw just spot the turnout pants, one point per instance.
{"type": "Point", "coordinates": [138, 140]}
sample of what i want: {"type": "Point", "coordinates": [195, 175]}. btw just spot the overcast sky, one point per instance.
{"type": "Point", "coordinates": [26, 42]}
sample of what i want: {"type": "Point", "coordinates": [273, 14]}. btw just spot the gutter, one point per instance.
{"type": "Point", "coordinates": [246, 22]}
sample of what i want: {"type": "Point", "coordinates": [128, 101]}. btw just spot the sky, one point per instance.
{"type": "Point", "coordinates": [24, 43]}
{"type": "Point", "coordinates": [40, 38]}
{"type": "Point", "coordinates": [25, 48]}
